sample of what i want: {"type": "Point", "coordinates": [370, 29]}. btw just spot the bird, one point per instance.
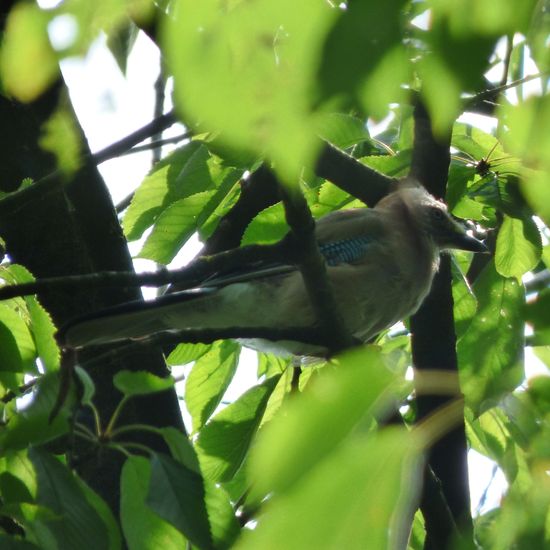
{"type": "Point", "coordinates": [380, 263]}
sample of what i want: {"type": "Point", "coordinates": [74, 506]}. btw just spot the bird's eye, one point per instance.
{"type": "Point", "coordinates": [437, 214]}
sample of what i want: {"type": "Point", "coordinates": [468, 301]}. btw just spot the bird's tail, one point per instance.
{"type": "Point", "coordinates": [132, 320]}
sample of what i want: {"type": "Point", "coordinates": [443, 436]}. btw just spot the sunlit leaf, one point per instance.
{"type": "Point", "coordinates": [519, 247]}
{"type": "Point", "coordinates": [28, 63]}
{"type": "Point", "coordinates": [41, 325]}
{"type": "Point", "coordinates": [259, 58]}
{"type": "Point", "coordinates": [363, 35]}
{"type": "Point", "coordinates": [486, 16]}
{"type": "Point", "coordinates": [267, 227]}
{"type": "Point", "coordinates": [465, 303]}
{"type": "Point", "coordinates": [359, 496]}
{"type": "Point", "coordinates": [186, 353]}
{"type": "Point", "coordinates": [32, 424]}
{"type": "Point", "coordinates": [225, 440]}
{"type": "Point", "coordinates": [180, 174]}
{"type": "Point", "coordinates": [490, 354]}
{"type": "Point", "coordinates": [342, 130]}
{"type": "Point", "coordinates": [12, 319]}
{"type": "Point", "coordinates": [61, 136]}
{"type": "Point", "coordinates": [209, 379]}
{"type": "Point", "coordinates": [318, 419]}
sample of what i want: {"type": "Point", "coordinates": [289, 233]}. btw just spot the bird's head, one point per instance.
{"type": "Point", "coordinates": [433, 219]}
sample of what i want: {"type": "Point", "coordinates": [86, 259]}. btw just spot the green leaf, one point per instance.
{"type": "Point", "coordinates": [106, 515]}
{"type": "Point", "coordinates": [391, 165]}
{"type": "Point", "coordinates": [43, 329]}
{"type": "Point", "coordinates": [359, 496]}
{"type": "Point", "coordinates": [18, 465]}
{"type": "Point", "coordinates": [28, 64]}
{"type": "Point", "coordinates": [10, 543]}
{"type": "Point", "coordinates": [61, 136]}
{"type": "Point", "coordinates": [173, 227]}
{"type": "Point", "coordinates": [465, 303]}
{"type": "Point", "coordinates": [93, 17]}
{"type": "Point", "coordinates": [88, 386]}
{"type": "Point", "coordinates": [476, 143]}
{"type": "Point", "coordinates": [178, 222]}
{"type": "Point", "coordinates": [457, 182]}
{"type": "Point", "coordinates": [224, 442]}
{"type": "Point", "coordinates": [143, 529]}
{"type": "Point", "coordinates": [181, 174]}
{"type": "Point", "coordinates": [181, 448]}
{"type": "Point", "coordinates": [519, 247]}
{"type": "Point", "coordinates": [490, 354]}
{"type": "Point", "coordinates": [11, 317]}
{"type": "Point", "coordinates": [363, 35]}
{"type": "Point", "coordinates": [186, 353]}
{"type": "Point", "coordinates": [441, 92]}
{"type": "Point", "coordinates": [487, 16]}
{"type": "Point", "coordinates": [120, 43]}
{"type": "Point", "coordinates": [258, 58]}
{"type": "Point", "coordinates": [267, 227]}
{"type": "Point", "coordinates": [537, 37]}
{"type": "Point", "coordinates": [315, 421]}
{"type": "Point", "coordinates": [32, 424]}
{"type": "Point", "coordinates": [13, 489]}
{"type": "Point", "coordinates": [208, 380]}
{"type": "Point", "coordinates": [330, 198]}
{"type": "Point", "coordinates": [178, 495]}
{"type": "Point", "coordinates": [528, 139]}
{"type": "Point", "coordinates": [10, 358]}
{"type": "Point", "coordinates": [385, 83]}
{"type": "Point", "coordinates": [343, 130]}
{"type": "Point", "coordinates": [78, 524]}
{"type": "Point", "coordinates": [140, 383]}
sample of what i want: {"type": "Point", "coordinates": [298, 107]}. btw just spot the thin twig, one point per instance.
{"type": "Point", "coordinates": [126, 143]}
{"type": "Point", "coordinates": [11, 395]}
{"type": "Point", "coordinates": [507, 58]}
{"type": "Point", "coordinates": [186, 277]}
{"type": "Point", "coordinates": [492, 92]}
{"type": "Point", "coordinates": [56, 180]}
{"type": "Point", "coordinates": [307, 335]}
{"type": "Point", "coordinates": [156, 144]}
{"type": "Point", "coordinates": [160, 96]}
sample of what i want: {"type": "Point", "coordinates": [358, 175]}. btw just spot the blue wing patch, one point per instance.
{"type": "Point", "coordinates": [345, 251]}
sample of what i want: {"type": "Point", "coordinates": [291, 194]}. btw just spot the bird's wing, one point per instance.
{"type": "Point", "coordinates": [343, 237]}
{"type": "Point", "coordinates": [138, 318]}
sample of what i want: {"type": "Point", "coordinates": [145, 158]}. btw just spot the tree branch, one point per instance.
{"type": "Point", "coordinates": [314, 272]}
{"type": "Point", "coordinates": [434, 346]}
{"type": "Point", "coordinates": [352, 176]}
{"type": "Point", "coordinates": [186, 277]}
{"type": "Point", "coordinates": [55, 181]}
{"type": "Point", "coordinates": [258, 192]}
{"type": "Point", "coordinates": [307, 335]}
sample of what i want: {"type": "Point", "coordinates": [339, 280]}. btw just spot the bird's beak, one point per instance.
{"type": "Point", "coordinates": [463, 241]}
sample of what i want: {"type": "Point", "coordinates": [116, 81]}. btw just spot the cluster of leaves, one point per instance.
{"type": "Point", "coordinates": [263, 80]}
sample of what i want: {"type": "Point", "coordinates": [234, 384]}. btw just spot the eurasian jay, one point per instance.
{"type": "Point", "coordinates": [380, 263]}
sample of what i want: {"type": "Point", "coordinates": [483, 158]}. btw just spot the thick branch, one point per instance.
{"type": "Point", "coordinates": [314, 273]}
{"type": "Point", "coordinates": [433, 346]}
{"type": "Point", "coordinates": [352, 176]}
{"type": "Point", "coordinates": [258, 192]}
